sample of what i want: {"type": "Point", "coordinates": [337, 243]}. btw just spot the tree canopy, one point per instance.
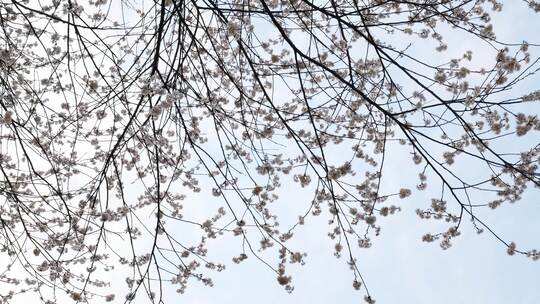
{"type": "Point", "coordinates": [134, 132]}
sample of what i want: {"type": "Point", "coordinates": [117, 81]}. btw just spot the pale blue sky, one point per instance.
{"type": "Point", "coordinates": [399, 268]}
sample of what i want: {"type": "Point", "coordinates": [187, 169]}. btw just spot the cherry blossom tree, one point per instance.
{"type": "Point", "coordinates": [117, 115]}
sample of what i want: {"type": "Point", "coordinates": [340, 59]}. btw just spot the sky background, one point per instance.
{"type": "Point", "coordinates": [399, 267]}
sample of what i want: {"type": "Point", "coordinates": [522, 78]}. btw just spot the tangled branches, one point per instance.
{"type": "Point", "coordinates": [118, 118]}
